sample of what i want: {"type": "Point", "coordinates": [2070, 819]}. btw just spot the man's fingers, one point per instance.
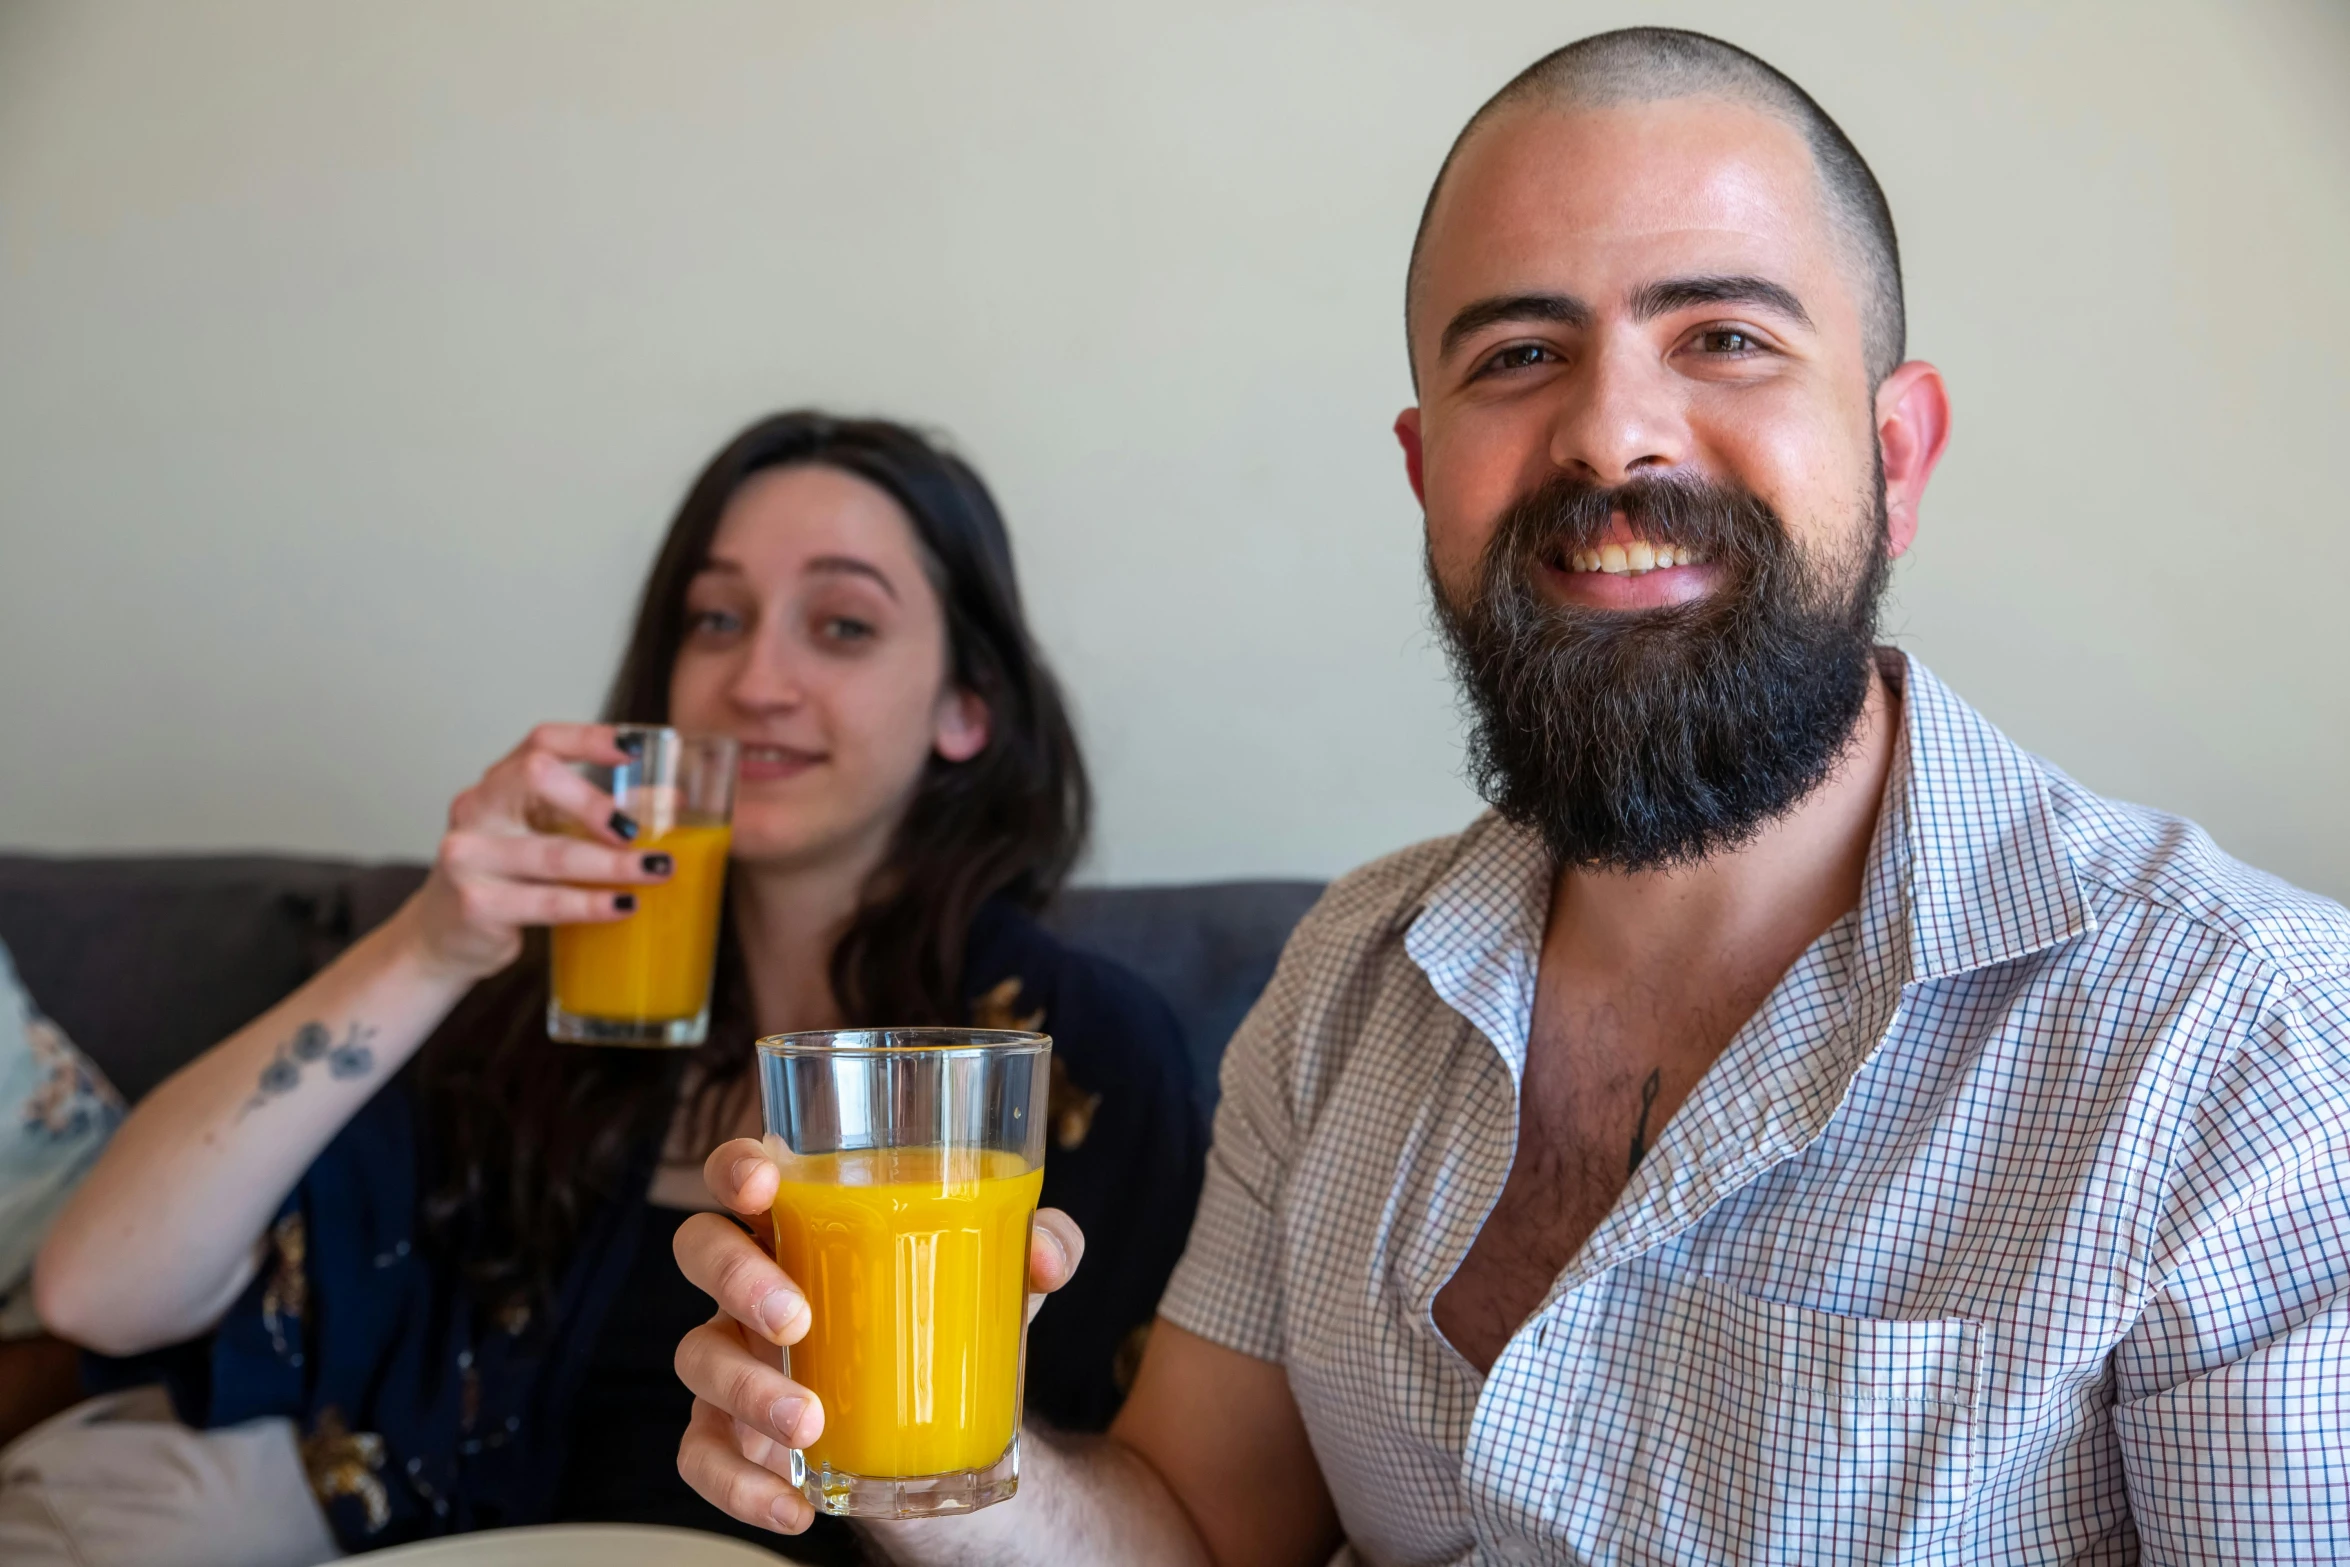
{"type": "Point", "coordinates": [725, 1264]}
{"type": "Point", "coordinates": [1055, 1247]}
{"type": "Point", "coordinates": [715, 1364]}
{"type": "Point", "coordinates": [740, 1175]}
{"type": "Point", "coordinates": [760, 1448]}
{"type": "Point", "coordinates": [710, 1462]}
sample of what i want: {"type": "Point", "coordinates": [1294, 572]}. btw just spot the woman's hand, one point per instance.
{"type": "Point", "coordinates": [748, 1415]}
{"type": "Point", "coordinates": [520, 844]}
{"type": "Point", "coordinates": [159, 1241]}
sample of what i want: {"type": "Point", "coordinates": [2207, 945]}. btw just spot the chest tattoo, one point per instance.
{"type": "Point", "coordinates": [1640, 1132]}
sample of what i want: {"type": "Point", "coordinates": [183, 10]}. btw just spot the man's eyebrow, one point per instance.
{"type": "Point", "coordinates": [1679, 293]}
{"type": "Point", "coordinates": [1560, 309]}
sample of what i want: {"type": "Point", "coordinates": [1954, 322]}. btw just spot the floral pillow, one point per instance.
{"type": "Point", "coordinates": [56, 1112]}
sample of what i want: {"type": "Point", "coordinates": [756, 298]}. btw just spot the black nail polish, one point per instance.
{"type": "Point", "coordinates": [659, 865]}
{"type": "Point", "coordinates": [625, 902]}
{"type": "Point", "coordinates": [633, 744]}
{"type": "Point", "coordinates": [623, 824]}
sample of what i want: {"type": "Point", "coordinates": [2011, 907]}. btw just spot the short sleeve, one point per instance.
{"type": "Point", "coordinates": [1228, 1287]}
{"type": "Point", "coordinates": [56, 1112]}
{"type": "Point", "coordinates": [2250, 1461]}
{"type": "Point", "coordinates": [2233, 1407]}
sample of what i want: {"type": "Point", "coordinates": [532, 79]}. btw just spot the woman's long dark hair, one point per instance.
{"type": "Point", "coordinates": [525, 1138]}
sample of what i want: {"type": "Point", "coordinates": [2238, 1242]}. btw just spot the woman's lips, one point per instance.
{"type": "Point", "coordinates": [766, 763]}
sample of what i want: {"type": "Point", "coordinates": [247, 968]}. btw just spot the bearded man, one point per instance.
{"type": "Point", "coordinates": [1795, 1124]}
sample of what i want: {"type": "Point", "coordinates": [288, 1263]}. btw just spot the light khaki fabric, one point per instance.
{"type": "Point", "coordinates": [117, 1482]}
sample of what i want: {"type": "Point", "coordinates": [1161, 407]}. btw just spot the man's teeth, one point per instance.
{"type": "Point", "coordinates": [1624, 560]}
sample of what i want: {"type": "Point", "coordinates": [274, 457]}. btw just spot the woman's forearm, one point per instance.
{"type": "Point", "coordinates": [164, 1233]}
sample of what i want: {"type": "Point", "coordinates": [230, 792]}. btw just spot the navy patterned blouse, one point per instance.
{"type": "Point", "coordinates": [420, 1416]}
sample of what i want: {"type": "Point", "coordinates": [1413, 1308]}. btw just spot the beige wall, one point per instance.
{"type": "Point", "coordinates": [351, 358]}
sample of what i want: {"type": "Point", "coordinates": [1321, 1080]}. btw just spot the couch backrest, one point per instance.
{"type": "Point", "coordinates": [144, 961]}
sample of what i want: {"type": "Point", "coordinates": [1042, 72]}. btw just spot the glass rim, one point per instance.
{"type": "Point", "coordinates": [684, 736]}
{"type": "Point", "coordinates": [925, 1041]}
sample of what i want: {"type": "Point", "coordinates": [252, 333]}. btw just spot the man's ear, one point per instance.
{"type": "Point", "coordinates": [1407, 435]}
{"type": "Point", "coordinates": [960, 730]}
{"type": "Point", "coordinates": [1913, 427]}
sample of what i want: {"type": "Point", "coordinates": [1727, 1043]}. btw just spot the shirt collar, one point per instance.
{"type": "Point", "coordinates": [1967, 868]}
{"type": "Point", "coordinates": [1986, 876]}
{"type": "Point", "coordinates": [1478, 933]}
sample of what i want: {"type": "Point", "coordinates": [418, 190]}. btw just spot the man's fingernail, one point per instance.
{"type": "Point", "coordinates": [779, 1311]}
{"type": "Point", "coordinates": [625, 902]}
{"type": "Point", "coordinates": [623, 824]}
{"type": "Point", "coordinates": [659, 865]}
{"type": "Point", "coordinates": [786, 1512]}
{"type": "Point", "coordinates": [744, 1168]}
{"type": "Point", "coordinates": [783, 1416]}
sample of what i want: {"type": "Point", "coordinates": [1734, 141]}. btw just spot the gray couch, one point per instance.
{"type": "Point", "coordinates": [144, 961]}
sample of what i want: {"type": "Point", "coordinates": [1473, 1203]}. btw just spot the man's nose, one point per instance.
{"type": "Point", "coordinates": [1621, 418]}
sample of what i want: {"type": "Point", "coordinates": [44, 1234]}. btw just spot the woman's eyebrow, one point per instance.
{"type": "Point", "coordinates": [842, 565]}
{"type": "Point", "coordinates": [851, 566]}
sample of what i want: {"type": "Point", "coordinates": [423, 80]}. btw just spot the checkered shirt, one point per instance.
{"type": "Point", "coordinates": [2013, 1227]}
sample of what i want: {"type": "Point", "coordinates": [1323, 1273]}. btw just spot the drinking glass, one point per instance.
{"type": "Point", "coordinates": [645, 979]}
{"type": "Point", "coordinates": [911, 1161]}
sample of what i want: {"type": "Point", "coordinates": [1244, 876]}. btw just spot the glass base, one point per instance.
{"type": "Point", "coordinates": [846, 1495]}
{"type": "Point", "coordinates": [651, 1033]}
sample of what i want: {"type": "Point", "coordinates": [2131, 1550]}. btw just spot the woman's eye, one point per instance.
{"type": "Point", "coordinates": [716, 622]}
{"type": "Point", "coordinates": [845, 628]}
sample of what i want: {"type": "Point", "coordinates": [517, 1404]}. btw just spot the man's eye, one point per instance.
{"type": "Point", "coordinates": [1518, 356]}
{"type": "Point", "coordinates": [1727, 340]}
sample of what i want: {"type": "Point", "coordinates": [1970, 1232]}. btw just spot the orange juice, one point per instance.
{"type": "Point", "coordinates": [656, 962]}
{"type": "Point", "coordinates": [915, 1263]}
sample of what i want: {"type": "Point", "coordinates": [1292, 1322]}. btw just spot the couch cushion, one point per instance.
{"type": "Point", "coordinates": [1208, 948]}
{"type": "Point", "coordinates": [145, 961]}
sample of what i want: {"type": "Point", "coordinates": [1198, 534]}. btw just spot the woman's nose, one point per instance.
{"type": "Point", "coordinates": [766, 681]}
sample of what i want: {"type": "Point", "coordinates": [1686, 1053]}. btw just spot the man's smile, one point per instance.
{"type": "Point", "coordinates": [1626, 571]}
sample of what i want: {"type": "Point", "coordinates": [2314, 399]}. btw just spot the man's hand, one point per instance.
{"type": "Point", "coordinates": [748, 1415]}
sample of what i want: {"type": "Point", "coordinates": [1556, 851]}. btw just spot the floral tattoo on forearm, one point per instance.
{"type": "Point", "coordinates": [312, 1042]}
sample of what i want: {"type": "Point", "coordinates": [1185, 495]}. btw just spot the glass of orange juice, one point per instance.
{"type": "Point", "coordinates": [911, 1160]}
{"type": "Point", "coordinates": [645, 979]}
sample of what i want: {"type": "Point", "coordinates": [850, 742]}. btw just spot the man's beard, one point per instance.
{"type": "Point", "coordinates": [1640, 739]}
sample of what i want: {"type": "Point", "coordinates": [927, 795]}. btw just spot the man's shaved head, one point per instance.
{"type": "Point", "coordinates": [1652, 64]}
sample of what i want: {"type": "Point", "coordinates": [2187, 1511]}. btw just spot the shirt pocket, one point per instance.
{"type": "Point", "coordinates": [1771, 1429]}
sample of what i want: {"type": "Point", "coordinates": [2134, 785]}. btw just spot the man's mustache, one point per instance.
{"type": "Point", "coordinates": [1566, 515]}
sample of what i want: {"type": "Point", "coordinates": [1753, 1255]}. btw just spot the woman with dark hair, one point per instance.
{"type": "Point", "coordinates": [392, 1209]}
